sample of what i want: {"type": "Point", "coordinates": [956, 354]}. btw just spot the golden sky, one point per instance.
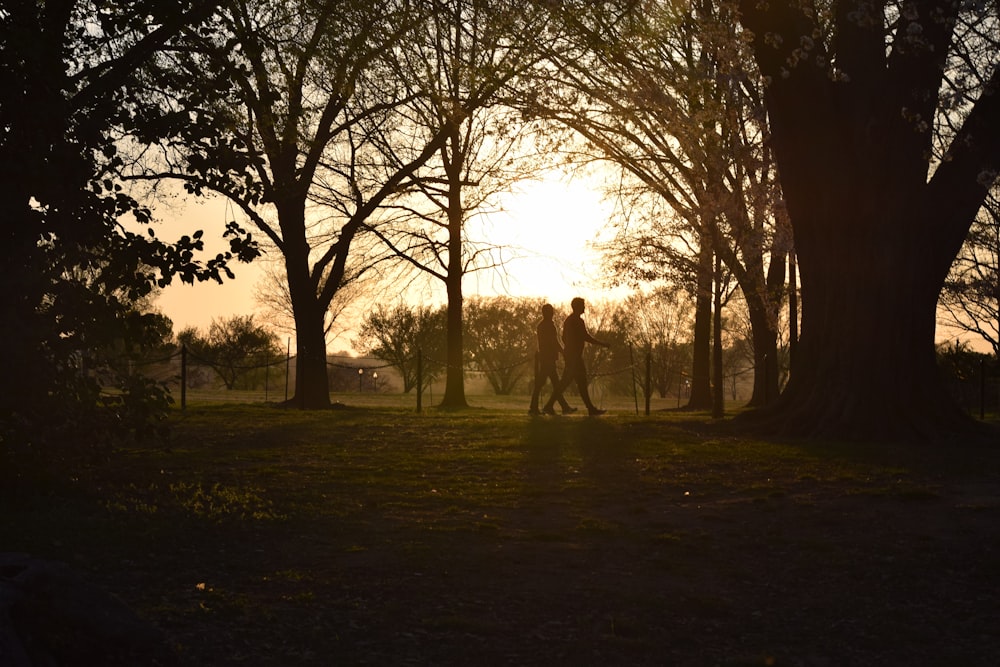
{"type": "Point", "coordinates": [548, 226]}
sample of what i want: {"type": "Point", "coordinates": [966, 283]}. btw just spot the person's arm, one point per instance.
{"type": "Point", "coordinates": [590, 339]}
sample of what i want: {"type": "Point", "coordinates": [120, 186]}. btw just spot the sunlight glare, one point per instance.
{"type": "Point", "coordinates": [548, 227]}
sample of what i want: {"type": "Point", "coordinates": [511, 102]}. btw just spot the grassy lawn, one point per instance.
{"type": "Point", "coordinates": [375, 535]}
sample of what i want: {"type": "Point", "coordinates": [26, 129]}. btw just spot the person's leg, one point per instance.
{"type": "Point", "coordinates": [559, 387]}
{"type": "Point", "coordinates": [561, 399]}
{"type": "Point", "coordinates": [536, 392]}
{"type": "Point", "coordinates": [537, 389]}
{"type": "Point", "coordinates": [581, 383]}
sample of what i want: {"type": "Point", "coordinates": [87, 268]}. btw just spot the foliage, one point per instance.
{"type": "Point", "coordinates": [668, 96]}
{"type": "Point", "coordinates": [660, 323]}
{"type": "Point", "coordinates": [973, 378]}
{"type": "Point", "coordinates": [398, 334]}
{"type": "Point", "coordinates": [236, 348]}
{"type": "Point", "coordinates": [500, 335]}
{"type": "Point", "coordinates": [77, 249]}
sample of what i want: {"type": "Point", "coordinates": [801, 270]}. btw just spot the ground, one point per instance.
{"type": "Point", "coordinates": [377, 537]}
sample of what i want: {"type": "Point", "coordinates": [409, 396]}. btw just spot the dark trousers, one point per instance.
{"type": "Point", "coordinates": [545, 370]}
{"type": "Point", "coordinates": [575, 372]}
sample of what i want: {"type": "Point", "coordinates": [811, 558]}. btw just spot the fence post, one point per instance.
{"type": "Point", "coordinates": [420, 380]}
{"type": "Point", "coordinates": [635, 390]}
{"type": "Point", "coordinates": [184, 376]}
{"type": "Point", "coordinates": [649, 381]}
{"type": "Point", "coordinates": [288, 360]}
{"type": "Point", "coordinates": [982, 389]}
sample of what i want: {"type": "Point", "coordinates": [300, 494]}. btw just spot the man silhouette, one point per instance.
{"type": "Point", "coordinates": [548, 352]}
{"type": "Point", "coordinates": [575, 335]}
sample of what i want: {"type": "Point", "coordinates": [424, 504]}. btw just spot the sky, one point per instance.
{"type": "Point", "coordinates": [549, 226]}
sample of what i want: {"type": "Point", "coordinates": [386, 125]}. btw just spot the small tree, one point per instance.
{"type": "Point", "coordinates": [396, 335]}
{"type": "Point", "coordinates": [234, 349]}
{"type": "Point", "coordinates": [501, 339]}
{"type": "Point", "coordinates": [464, 64]}
{"type": "Point", "coordinates": [967, 374]}
{"type": "Point", "coordinates": [660, 323]}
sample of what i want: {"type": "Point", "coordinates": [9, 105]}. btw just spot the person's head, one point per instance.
{"type": "Point", "coordinates": [548, 311]}
{"type": "Point", "coordinates": [577, 305]}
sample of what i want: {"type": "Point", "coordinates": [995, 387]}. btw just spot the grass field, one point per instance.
{"type": "Point", "coordinates": [371, 535]}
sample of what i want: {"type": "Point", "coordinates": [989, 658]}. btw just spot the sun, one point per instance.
{"type": "Point", "coordinates": [547, 228]}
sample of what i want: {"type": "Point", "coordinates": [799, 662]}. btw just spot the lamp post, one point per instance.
{"type": "Point", "coordinates": [361, 377]}
{"type": "Point", "coordinates": [375, 382]}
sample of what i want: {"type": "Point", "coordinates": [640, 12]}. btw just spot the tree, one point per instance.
{"type": "Point", "coordinates": [965, 371]}
{"type": "Point", "coordinates": [501, 339]}
{"type": "Point", "coordinates": [398, 335]}
{"type": "Point", "coordinates": [286, 95]}
{"type": "Point", "coordinates": [659, 323]}
{"type": "Point", "coordinates": [854, 94]}
{"type": "Point", "coordinates": [72, 264]}
{"type": "Point", "coordinates": [970, 300]}
{"type": "Point", "coordinates": [464, 65]}
{"type": "Point", "coordinates": [275, 302]}
{"type": "Point", "coordinates": [234, 348]}
{"type": "Point", "coordinates": [666, 92]}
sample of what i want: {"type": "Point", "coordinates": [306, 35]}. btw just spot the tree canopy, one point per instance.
{"type": "Point", "coordinates": [77, 249]}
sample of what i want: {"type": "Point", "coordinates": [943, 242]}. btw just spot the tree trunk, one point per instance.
{"type": "Point", "coordinates": [865, 365]}
{"type": "Point", "coordinates": [871, 271]}
{"type": "Point", "coordinates": [718, 376]}
{"type": "Point", "coordinates": [454, 387]}
{"type": "Point", "coordinates": [701, 381]}
{"type": "Point", "coordinates": [875, 228]}
{"type": "Point", "coordinates": [312, 384]}
{"type": "Point", "coordinates": [765, 354]}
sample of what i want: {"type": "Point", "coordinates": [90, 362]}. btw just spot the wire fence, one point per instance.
{"type": "Point", "coordinates": [272, 380]}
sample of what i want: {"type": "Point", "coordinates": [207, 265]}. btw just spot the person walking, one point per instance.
{"type": "Point", "coordinates": [575, 335]}
{"type": "Point", "coordinates": [548, 353]}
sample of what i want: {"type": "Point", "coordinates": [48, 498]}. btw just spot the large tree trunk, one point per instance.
{"type": "Point", "coordinates": [865, 363]}
{"type": "Point", "coordinates": [875, 229]}
{"type": "Point", "coordinates": [865, 366]}
{"type": "Point", "coordinates": [312, 384]}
